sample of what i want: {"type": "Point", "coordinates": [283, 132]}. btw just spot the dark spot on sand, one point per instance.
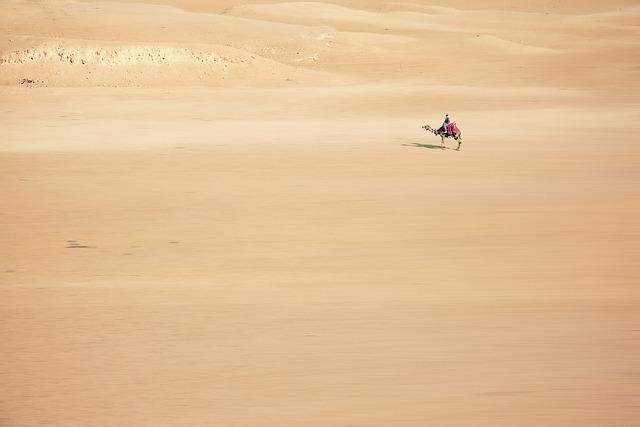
{"type": "Point", "coordinates": [73, 244]}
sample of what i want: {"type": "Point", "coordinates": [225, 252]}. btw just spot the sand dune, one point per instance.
{"type": "Point", "coordinates": [326, 44]}
{"type": "Point", "coordinates": [509, 47]}
{"type": "Point", "coordinates": [316, 13]}
{"type": "Point", "coordinates": [226, 213]}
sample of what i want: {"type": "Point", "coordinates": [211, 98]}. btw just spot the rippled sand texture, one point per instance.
{"type": "Point", "coordinates": [225, 213]}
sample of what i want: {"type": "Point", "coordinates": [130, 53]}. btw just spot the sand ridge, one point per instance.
{"type": "Point", "coordinates": [226, 213]}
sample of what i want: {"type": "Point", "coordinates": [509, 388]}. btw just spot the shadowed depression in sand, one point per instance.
{"type": "Point", "coordinates": [226, 213]}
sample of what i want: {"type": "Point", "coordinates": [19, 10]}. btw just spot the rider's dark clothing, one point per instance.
{"type": "Point", "coordinates": [445, 124]}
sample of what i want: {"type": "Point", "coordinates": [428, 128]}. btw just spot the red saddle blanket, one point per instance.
{"type": "Point", "coordinates": [452, 129]}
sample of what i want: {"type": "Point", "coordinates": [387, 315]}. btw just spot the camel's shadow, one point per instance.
{"type": "Point", "coordinates": [428, 146]}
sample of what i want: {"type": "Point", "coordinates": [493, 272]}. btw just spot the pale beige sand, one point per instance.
{"type": "Point", "coordinates": [225, 213]}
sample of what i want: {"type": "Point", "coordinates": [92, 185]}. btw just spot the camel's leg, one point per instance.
{"type": "Point", "coordinates": [442, 139]}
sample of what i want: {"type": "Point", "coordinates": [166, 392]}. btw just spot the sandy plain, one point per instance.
{"type": "Point", "coordinates": [225, 213]}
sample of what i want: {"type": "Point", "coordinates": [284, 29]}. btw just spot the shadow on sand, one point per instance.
{"type": "Point", "coordinates": [429, 146]}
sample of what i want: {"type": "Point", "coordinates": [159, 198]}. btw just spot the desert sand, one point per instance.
{"type": "Point", "coordinates": [226, 213]}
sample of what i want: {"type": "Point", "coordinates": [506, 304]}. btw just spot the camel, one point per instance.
{"type": "Point", "coordinates": [454, 133]}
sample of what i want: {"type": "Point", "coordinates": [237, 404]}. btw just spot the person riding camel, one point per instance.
{"type": "Point", "coordinates": [447, 130]}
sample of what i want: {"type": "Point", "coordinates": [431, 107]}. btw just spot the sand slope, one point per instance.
{"type": "Point", "coordinates": [225, 213]}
